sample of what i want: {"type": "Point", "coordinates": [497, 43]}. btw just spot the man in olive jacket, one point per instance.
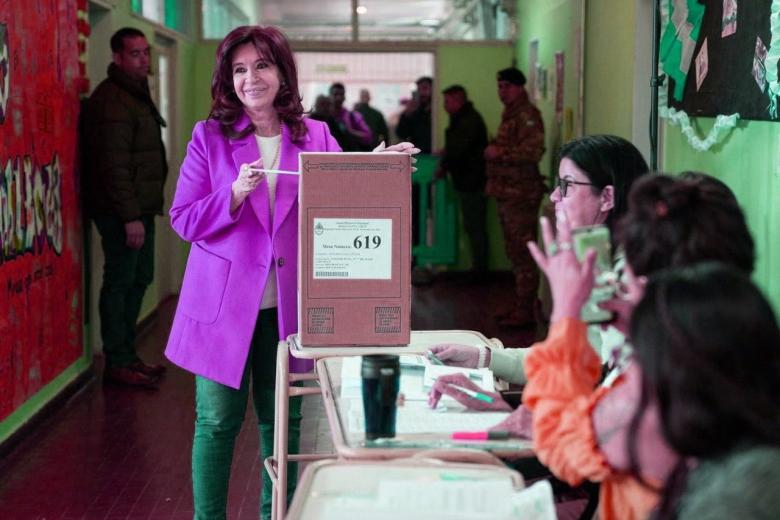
{"type": "Point", "coordinates": [464, 146]}
{"type": "Point", "coordinates": [124, 171]}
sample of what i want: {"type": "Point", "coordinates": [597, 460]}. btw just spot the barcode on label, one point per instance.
{"type": "Point", "coordinates": [330, 274]}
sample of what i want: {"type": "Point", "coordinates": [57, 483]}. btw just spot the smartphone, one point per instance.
{"type": "Point", "coordinates": [596, 237]}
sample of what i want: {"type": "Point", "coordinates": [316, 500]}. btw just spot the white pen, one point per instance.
{"type": "Point", "coordinates": [263, 170]}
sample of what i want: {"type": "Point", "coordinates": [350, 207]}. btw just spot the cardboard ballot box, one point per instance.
{"type": "Point", "coordinates": [354, 264]}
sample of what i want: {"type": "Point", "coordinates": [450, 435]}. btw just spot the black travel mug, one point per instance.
{"type": "Point", "coordinates": [381, 375]}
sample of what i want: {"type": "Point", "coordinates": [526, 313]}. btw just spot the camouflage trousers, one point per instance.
{"type": "Point", "coordinates": [519, 219]}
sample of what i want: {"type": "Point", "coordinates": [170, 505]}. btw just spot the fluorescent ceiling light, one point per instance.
{"type": "Point", "coordinates": [430, 22]}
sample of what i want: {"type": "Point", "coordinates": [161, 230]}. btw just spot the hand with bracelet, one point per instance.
{"type": "Point", "coordinates": [466, 356]}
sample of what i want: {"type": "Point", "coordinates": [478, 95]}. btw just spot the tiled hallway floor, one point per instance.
{"type": "Point", "coordinates": [117, 453]}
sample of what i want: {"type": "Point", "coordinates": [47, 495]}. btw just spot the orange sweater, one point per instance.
{"type": "Point", "coordinates": [563, 372]}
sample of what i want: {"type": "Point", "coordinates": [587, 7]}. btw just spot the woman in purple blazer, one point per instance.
{"type": "Point", "coordinates": [238, 298]}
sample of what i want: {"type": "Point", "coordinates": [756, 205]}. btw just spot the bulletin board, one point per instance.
{"type": "Point", "coordinates": [40, 230]}
{"type": "Point", "coordinates": [727, 72]}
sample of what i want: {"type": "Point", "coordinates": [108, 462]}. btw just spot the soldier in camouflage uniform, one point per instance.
{"type": "Point", "coordinates": [513, 178]}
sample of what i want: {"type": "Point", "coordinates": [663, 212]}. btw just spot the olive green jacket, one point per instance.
{"type": "Point", "coordinates": [123, 156]}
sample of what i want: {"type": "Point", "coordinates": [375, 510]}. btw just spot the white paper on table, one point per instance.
{"type": "Point", "coordinates": [417, 417]}
{"type": "Point", "coordinates": [446, 499]}
{"type": "Point", "coordinates": [351, 382]}
{"type": "Point", "coordinates": [482, 377]}
{"type": "Point", "coordinates": [534, 502]}
{"type": "Point", "coordinates": [467, 499]}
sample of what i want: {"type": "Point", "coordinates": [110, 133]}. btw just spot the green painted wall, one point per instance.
{"type": "Point", "coordinates": [746, 160]}
{"type": "Point", "coordinates": [556, 26]}
{"type": "Point", "coordinates": [474, 67]}
{"type": "Point", "coordinates": [609, 67]}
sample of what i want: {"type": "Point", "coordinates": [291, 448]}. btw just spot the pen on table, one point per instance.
{"type": "Point", "coordinates": [480, 436]}
{"type": "Point", "coordinates": [472, 393]}
{"type": "Point", "coordinates": [433, 359]}
{"type": "Point", "coordinates": [265, 170]}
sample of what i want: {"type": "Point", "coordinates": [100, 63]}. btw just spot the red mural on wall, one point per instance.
{"type": "Point", "coordinates": [40, 223]}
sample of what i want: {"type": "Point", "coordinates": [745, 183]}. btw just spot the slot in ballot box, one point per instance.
{"type": "Point", "coordinates": [354, 269]}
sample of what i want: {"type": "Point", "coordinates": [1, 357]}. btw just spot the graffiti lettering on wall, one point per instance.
{"type": "Point", "coordinates": [5, 82]}
{"type": "Point", "coordinates": [20, 285]}
{"type": "Point", "coordinates": [30, 208]}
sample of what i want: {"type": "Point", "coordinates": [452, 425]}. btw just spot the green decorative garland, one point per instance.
{"type": "Point", "coordinates": [772, 58]}
{"type": "Point", "coordinates": [722, 122]}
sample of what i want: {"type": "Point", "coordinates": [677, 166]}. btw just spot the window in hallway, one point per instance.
{"type": "Point", "coordinates": [173, 14]}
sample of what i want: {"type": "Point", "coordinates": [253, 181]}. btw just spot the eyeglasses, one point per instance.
{"type": "Point", "coordinates": [563, 185]}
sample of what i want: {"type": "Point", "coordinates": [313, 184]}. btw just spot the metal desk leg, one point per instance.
{"type": "Point", "coordinates": [276, 466]}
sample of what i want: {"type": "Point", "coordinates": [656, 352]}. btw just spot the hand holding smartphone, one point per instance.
{"type": "Point", "coordinates": [596, 237]}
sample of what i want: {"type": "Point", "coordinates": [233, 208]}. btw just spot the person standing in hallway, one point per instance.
{"type": "Point", "coordinates": [357, 134]}
{"type": "Point", "coordinates": [124, 173]}
{"type": "Point", "coordinates": [373, 118]}
{"type": "Point", "coordinates": [415, 125]}
{"type": "Point", "coordinates": [415, 122]}
{"type": "Point", "coordinates": [239, 294]}
{"type": "Point", "coordinates": [323, 111]}
{"type": "Point", "coordinates": [514, 180]}
{"type": "Point", "coordinates": [463, 158]}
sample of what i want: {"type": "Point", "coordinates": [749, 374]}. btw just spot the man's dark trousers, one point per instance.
{"type": "Point", "coordinates": [126, 275]}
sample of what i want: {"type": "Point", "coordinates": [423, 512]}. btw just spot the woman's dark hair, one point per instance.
{"type": "Point", "coordinates": [272, 45]}
{"type": "Point", "coordinates": [674, 222]}
{"type": "Point", "coordinates": [607, 160]}
{"type": "Point", "coordinates": [708, 344]}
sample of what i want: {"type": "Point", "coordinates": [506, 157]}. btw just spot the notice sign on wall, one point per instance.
{"type": "Point", "coordinates": [40, 223]}
{"type": "Point", "coordinates": [352, 249]}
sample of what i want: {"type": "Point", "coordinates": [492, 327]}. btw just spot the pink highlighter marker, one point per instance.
{"type": "Point", "coordinates": [480, 436]}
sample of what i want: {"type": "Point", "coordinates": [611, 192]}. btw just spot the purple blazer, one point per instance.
{"type": "Point", "coordinates": [231, 254]}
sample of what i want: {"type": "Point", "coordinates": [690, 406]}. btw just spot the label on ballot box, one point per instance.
{"type": "Point", "coordinates": [354, 283]}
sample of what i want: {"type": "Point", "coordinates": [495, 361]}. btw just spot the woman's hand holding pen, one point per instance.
{"type": "Point", "coordinates": [246, 182]}
{"type": "Point", "coordinates": [463, 390]}
{"type": "Point", "coordinates": [456, 355]}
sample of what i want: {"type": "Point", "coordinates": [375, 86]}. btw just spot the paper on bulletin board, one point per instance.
{"type": "Point", "coordinates": [533, 58]}
{"type": "Point", "coordinates": [702, 65]}
{"type": "Point", "coordinates": [559, 59]}
{"type": "Point", "coordinates": [729, 23]}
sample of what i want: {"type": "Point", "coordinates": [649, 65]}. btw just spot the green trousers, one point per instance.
{"type": "Point", "coordinates": [220, 411]}
{"type": "Point", "coordinates": [126, 275]}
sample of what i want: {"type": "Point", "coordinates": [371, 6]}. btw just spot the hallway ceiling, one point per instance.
{"type": "Point", "coordinates": [331, 19]}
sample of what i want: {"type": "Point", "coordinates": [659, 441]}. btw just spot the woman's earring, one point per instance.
{"type": "Point", "coordinates": [283, 84]}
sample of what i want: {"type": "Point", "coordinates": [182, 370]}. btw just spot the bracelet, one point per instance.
{"type": "Point", "coordinates": [482, 356]}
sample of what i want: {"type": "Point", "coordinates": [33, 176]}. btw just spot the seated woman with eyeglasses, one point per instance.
{"type": "Point", "coordinates": [595, 175]}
